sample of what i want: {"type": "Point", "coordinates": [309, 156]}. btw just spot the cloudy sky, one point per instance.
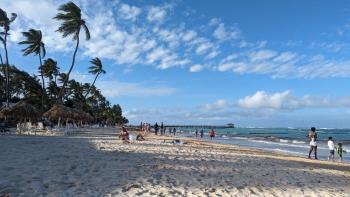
{"type": "Point", "coordinates": [250, 62]}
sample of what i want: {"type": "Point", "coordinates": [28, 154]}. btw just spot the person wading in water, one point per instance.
{"type": "Point", "coordinates": [313, 144]}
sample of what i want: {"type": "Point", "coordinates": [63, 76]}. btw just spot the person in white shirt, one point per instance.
{"type": "Point", "coordinates": [313, 142]}
{"type": "Point", "coordinates": [331, 149]}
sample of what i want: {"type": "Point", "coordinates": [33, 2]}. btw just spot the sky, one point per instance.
{"type": "Point", "coordinates": [272, 63]}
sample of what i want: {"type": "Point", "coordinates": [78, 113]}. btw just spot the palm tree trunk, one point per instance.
{"type": "Point", "coordinates": [1, 59]}
{"type": "Point", "coordinates": [7, 72]}
{"type": "Point", "coordinates": [43, 85]}
{"type": "Point", "coordinates": [60, 94]}
{"type": "Point", "coordinates": [93, 83]}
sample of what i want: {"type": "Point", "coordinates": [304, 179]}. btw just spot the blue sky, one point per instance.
{"type": "Point", "coordinates": [254, 63]}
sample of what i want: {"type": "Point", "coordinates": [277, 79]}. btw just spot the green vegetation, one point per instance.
{"type": "Point", "coordinates": [17, 85]}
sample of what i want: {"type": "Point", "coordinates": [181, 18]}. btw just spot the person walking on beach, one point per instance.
{"type": "Point", "coordinates": [161, 129]}
{"type": "Point", "coordinates": [156, 127]}
{"type": "Point", "coordinates": [212, 134]}
{"type": "Point", "coordinates": [196, 133]}
{"type": "Point", "coordinates": [174, 131]}
{"type": "Point", "coordinates": [202, 133]}
{"type": "Point", "coordinates": [331, 149]}
{"type": "Point", "coordinates": [313, 144]}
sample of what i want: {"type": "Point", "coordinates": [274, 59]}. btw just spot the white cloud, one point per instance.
{"type": "Point", "coordinates": [263, 100]}
{"type": "Point", "coordinates": [219, 104]}
{"type": "Point", "coordinates": [287, 101]}
{"type": "Point", "coordinates": [212, 54]}
{"type": "Point", "coordinates": [190, 35]}
{"type": "Point", "coordinates": [285, 57]}
{"type": "Point", "coordinates": [202, 48]}
{"type": "Point", "coordinates": [196, 68]}
{"type": "Point", "coordinates": [116, 89]}
{"type": "Point", "coordinates": [214, 21]}
{"type": "Point", "coordinates": [28, 16]}
{"type": "Point", "coordinates": [156, 14]}
{"type": "Point", "coordinates": [222, 34]}
{"type": "Point", "coordinates": [256, 106]}
{"type": "Point", "coordinates": [239, 67]}
{"type": "Point", "coordinates": [164, 47]}
{"type": "Point", "coordinates": [129, 12]}
{"type": "Point", "coordinates": [262, 55]}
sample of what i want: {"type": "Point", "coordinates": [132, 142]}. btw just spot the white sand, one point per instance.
{"type": "Point", "coordinates": [97, 164]}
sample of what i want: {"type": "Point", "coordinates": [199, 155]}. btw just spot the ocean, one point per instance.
{"type": "Point", "coordinates": [286, 140]}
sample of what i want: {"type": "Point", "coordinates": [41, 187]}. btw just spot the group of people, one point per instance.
{"type": "Point", "coordinates": [162, 129]}
{"type": "Point", "coordinates": [126, 137]}
{"type": "Point", "coordinates": [331, 146]}
{"type": "Point", "coordinates": [201, 133]}
{"type": "Point", "coordinates": [145, 128]}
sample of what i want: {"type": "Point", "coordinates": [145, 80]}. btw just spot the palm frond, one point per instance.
{"type": "Point", "coordinates": [87, 32]}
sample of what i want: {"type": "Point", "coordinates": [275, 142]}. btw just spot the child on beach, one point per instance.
{"type": "Point", "coordinates": [331, 149]}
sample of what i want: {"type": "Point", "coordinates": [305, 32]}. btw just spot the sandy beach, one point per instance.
{"type": "Point", "coordinates": [95, 163]}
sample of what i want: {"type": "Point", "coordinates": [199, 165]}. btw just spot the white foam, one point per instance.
{"type": "Point", "coordinates": [297, 142]}
{"type": "Point", "coordinates": [241, 138]}
{"type": "Point", "coordinates": [283, 141]}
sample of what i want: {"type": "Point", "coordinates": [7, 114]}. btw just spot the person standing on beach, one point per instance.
{"type": "Point", "coordinates": [212, 134]}
{"type": "Point", "coordinates": [202, 133]}
{"type": "Point", "coordinates": [340, 151]}
{"type": "Point", "coordinates": [331, 149]}
{"type": "Point", "coordinates": [313, 144]}
{"type": "Point", "coordinates": [196, 133]}
{"type": "Point", "coordinates": [156, 127]}
{"type": "Point", "coordinates": [174, 131]}
{"type": "Point", "coordinates": [161, 129]}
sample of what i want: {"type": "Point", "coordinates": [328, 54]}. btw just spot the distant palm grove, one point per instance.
{"type": "Point", "coordinates": [51, 87]}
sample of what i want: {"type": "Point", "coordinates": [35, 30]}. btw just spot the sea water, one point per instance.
{"type": "Point", "coordinates": [286, 140]}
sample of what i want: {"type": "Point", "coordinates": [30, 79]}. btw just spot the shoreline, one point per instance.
{"type": "Point", "coordinates": [252, 150]}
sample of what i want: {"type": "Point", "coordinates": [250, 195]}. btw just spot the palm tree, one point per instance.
{"type": "Point", "coordinates": [5, 24]}
{"type": "Point", "coordinates": [37, 47]}
{"type": "Point", "coordinates": [50, 69]}
{"type": "Point", "coordinates": [71, 25]}
{"type": "Point", "coordinates": [96, 69]}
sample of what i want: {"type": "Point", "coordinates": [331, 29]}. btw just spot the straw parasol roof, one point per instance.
{"type": "Point", "coordinates": [63, 112]}
{"type": "Point", "coordinates": [81, 115]}
{"type": "Point", "coordinates": [21, 110]}
{"type": "Point", "coordinates": [59, 111]}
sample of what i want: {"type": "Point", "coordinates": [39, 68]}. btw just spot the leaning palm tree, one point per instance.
{"type": "Point", "coordinates": [95, 69]}
{"type": "Point", "coordinates": [35, 45]}
{"type": "Point", "coordinates": [5, 22]}
{"type": "Point", "coordinates": [72, 23]}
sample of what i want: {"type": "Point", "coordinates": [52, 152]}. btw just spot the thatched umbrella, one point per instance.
{"type": "Point", "coordinates": [21, 111]}
{"type": "Point", "coordinates": [59, 112]}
